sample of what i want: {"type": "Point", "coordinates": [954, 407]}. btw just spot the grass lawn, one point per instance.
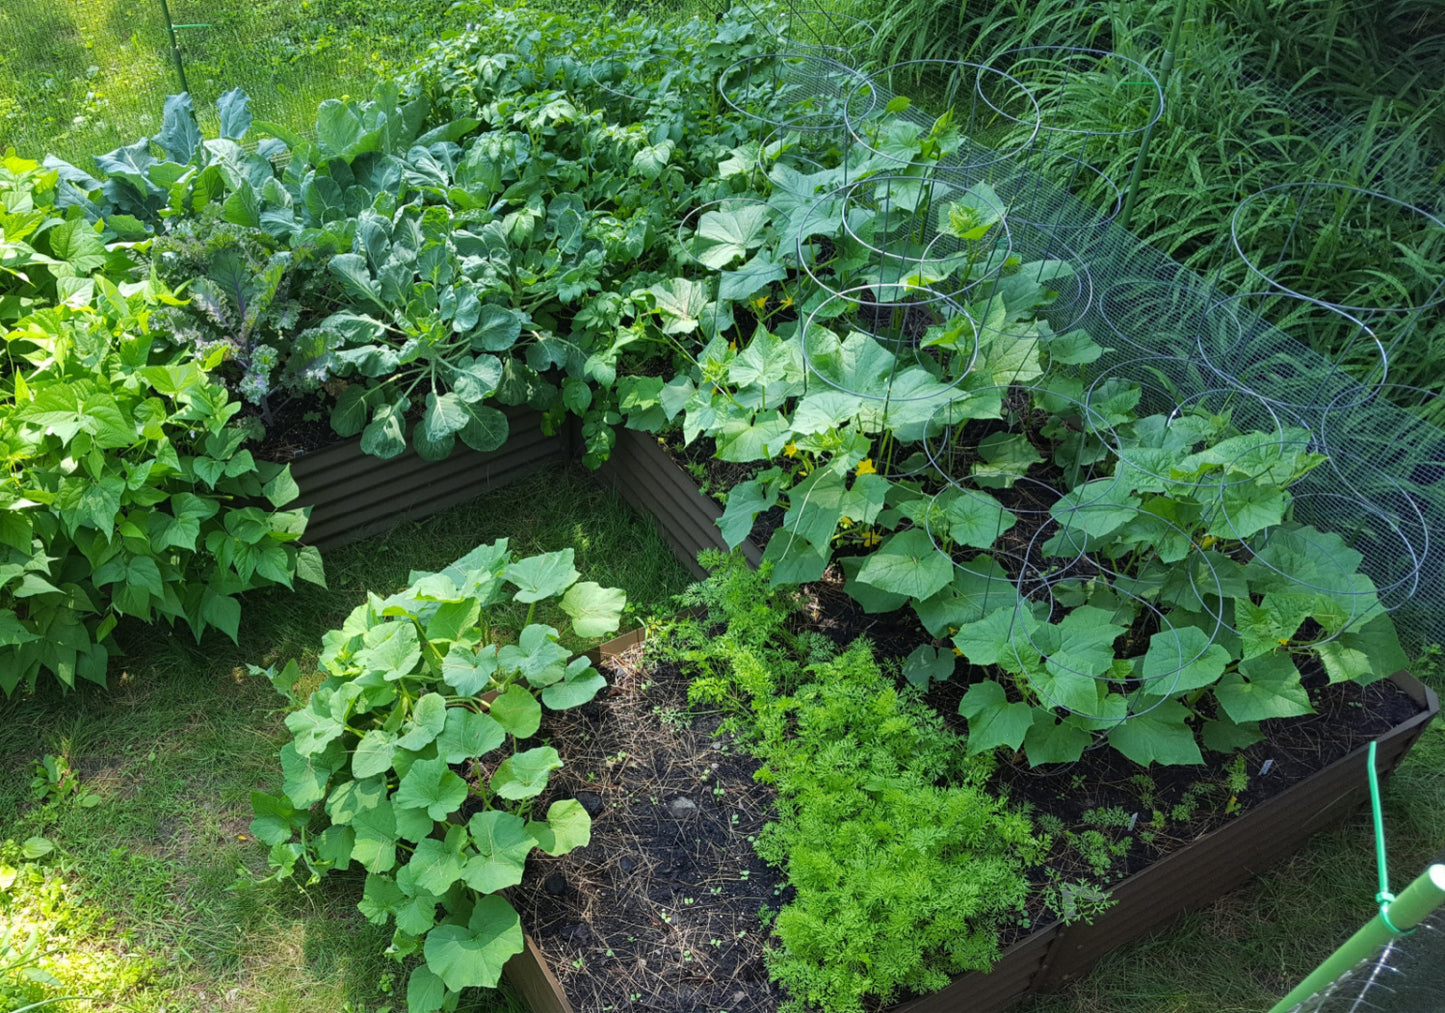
{"type": "Point", "coordinates": [78, 77]}
{"type": "Point", "coordinates": [153, 842]}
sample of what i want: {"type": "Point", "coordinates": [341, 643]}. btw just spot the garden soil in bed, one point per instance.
{"type": "Point", "coordinates": [660, 913]}
{"type": "Point", "coordinates": [1102, 784]}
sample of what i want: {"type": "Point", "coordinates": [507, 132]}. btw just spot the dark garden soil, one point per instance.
{"type": "Point", "coordinates": [1103, 791]}
{"type": "Point", "coordinates": [298, 426]}
{"type": "Point", "coordinates": [660, 912]}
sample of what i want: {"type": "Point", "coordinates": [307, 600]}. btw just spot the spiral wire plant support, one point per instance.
{"type": "Point", "coordinates": [1291, 350]}
{"type": "Point", "coordinates": [815, 30]}
{"type": "Point", "coordinates": [1059, 194]}
{"type": "Point", "coordinates": [1304, 363]}
{"type": "Point", "coordinates": [966, 513]}
{"type": "Point", "coordinates": [1004, 458]}
{"type": "Point", "coordinates": [801, 95]}
{"type": "Point", "coordinates": [869, 364]}
{"type": "Point", "coordinates": [830, 34]}
{"type": "Point", "coordinates": [627, 78]}
{"type": "Point", "coordinates": [1059, 266]}
{"type": "Point", "coordinates": [1352, 558]}
{"type": "Point", "coordinates": [1372, 515]}
{"type": "Point", "coordinates": [783, 146]}
{"type": "Point", "coordinates": [1390, 450]}
{"type": "Point", "coordinates": [1063, 684]}
{"type": "Point", "coordinates": [1365, 254]}
{"type": "Point", "coordinates": [710, 233]}
{"type": "Point", "coordinates": [801, 92]}
{"type": "Point", "coordinates": [1151, 316]}
{"type": "Point", "coordinates": [1125, 102]}
{"type": "Point", "coordinates": [1179, 392]}
{"type": "Point", "coordinates": [967, 93]}
{"type": "Point", "coordinates": [900, 236]}
{"type": "Point", "coordinates": [1398, 430]}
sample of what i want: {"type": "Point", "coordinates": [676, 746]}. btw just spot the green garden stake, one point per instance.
{"type": "Point", "coordinates": [1413, 906]}
{"type": "Point", "coordinates": [1398, 916]}
{"type": "Point", "coordinates": [175, 49]}
{"type": "Point", "coordinates": [1165, 66]}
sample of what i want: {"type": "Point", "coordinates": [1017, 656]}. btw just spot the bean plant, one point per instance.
{"type": "Point", "coordinates": [128, 493]}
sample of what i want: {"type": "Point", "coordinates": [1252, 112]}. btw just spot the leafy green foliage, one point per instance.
{"type": "Point", "coordinates": [129, 495]}
{"type": "Point", "coordinates": [417, 699]}
{"type": "Point", "coordinates": [48, 247]}
{"type": "Point", "coordinates": [904, 868]}
{"type": "Point", "coordinates": [477, 235]}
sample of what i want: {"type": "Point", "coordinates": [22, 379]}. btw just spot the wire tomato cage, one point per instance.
{"type": "Point", "coordinates": [924, 200]}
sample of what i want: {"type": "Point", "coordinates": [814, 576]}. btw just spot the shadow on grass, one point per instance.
{"type": "Point", "coordinates": [174, 748]}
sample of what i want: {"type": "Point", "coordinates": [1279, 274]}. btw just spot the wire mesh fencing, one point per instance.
{"type": "Point", "coordinates": [83, 76]}
{"type": "Point", "coordinates": [1293, 365]}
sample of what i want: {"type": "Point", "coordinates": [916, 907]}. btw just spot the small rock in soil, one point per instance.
{"type": "Point", "coordinates": [556, 885]}
{"type": "Point", "coordinates": [590, 801]}
{"type": "Point", "coordinates": [627, 863]}
{"type": "Point", "coordinates": [682, 807]}
{"type": "Point", "coordinates": [579, 934]}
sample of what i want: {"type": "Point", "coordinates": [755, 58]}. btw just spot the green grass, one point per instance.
{"type": "Point", "coordinates": [183, 736]}
{"type": "Point", "coordinates": [1262, 93]}
{"type": "Point", "coordinates": [78, 77]}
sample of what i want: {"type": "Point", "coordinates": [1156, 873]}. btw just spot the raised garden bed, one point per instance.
{"type": "Point", "coordinates": [1189, 877]}
{"type": "Point", "coordinates": [353, 495]}
{"type": "Point", "coordinates": [646, 478]}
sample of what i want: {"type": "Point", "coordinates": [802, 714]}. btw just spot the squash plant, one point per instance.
{"type": "Point", "coordinates": [1182, 597]}
{"type": "Point", "coordinates": [407, 760]}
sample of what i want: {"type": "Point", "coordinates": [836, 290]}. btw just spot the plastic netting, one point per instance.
{"type": "Point", "coordinates": [1301, 353]}
{"type": "Point", "coordinates": [1402, 976]}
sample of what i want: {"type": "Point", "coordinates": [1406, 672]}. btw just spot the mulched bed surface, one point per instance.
{"type": "Point", "coordinates": [660, 911]}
